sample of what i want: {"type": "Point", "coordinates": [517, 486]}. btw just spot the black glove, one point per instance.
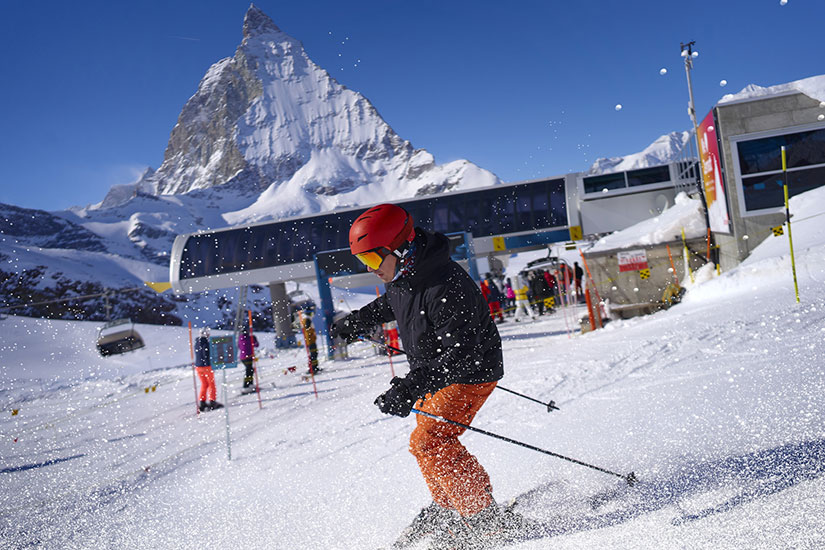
{"type": "Point", "coordinates": [347, 329]}
{"type": "Point", "coordinates": [397, 400]}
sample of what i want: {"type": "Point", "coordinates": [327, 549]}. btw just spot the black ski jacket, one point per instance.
{"type": "Point", "coordinates": [443, 320]}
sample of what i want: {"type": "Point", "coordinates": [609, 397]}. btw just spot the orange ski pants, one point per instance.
{"type": "Point", "coordinates": [207, 377]}
{"type": "Point", "coordinates": [455, 477]}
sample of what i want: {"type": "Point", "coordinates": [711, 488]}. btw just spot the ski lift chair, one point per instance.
{"type": "Point", "coordinates": [119, 336]}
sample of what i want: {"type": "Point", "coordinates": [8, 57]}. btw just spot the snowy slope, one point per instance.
{"type": "Point", "coordinates": [813, 87]}
{"type": "Point", "coordinates": [666, 148]}
{"type": "Point", "coordinates": [715, 404]}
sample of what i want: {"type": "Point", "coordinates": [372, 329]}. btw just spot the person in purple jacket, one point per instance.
{"type": "Point", "coordinates": [246, 353]}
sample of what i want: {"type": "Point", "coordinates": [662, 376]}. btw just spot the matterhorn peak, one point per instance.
{"type": "Point", "coordinates": [257, 22]}
{"type": "Point", "coordinates": [278, 127]}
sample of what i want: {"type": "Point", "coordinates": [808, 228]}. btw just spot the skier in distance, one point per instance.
{"type": "Point", "coordinates": [455, 357]}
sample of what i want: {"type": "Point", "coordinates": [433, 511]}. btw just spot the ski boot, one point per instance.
{"type": "Point", "coordinates": [212, 405]}
{"type": "Point", "coordinates": [494, 526]}
{"type": "Point", "coordinates": [429, 521]}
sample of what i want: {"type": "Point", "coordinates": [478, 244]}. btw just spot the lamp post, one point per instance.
{"type": "Point", "coordinates": [689, 54]}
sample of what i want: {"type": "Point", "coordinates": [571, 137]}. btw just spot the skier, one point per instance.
{"type": "Point", "coordinates": [522, 303]}
{"type": "Point", "coordinates": [537, 288]}
{"type": "Point", "coordinates": [203, 366]}
{"type": "Point", "coordinates": [312, 346]}
{"type": "Point", "coordinates": [246, 351]}
{"type": "Point", "coordinates": [455, 357]}
{"type": "Point", "coordinates": [492, 294]}
{"type": "Point", "coordinates": [578, 273]}
{"type": "Point", "coordinates": [510, 297]}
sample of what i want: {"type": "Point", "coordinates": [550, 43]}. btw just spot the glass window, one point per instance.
{"type": "Point", "coordinates": [471, 219]}
{"type": "Point", "coordinates": [440, 217]}
{"type": "Point", "coordinates": [541, 211]}
{"type": "Point", "coordinates": [766, 191]}
{"type": "Point", "coordinates": [523, 214]}
{"type": "Point", "coordinates": [597, 184]}
{"type": "Point", "coordinates": [502, 212]}
{"type": "Point", "coordinates": [647, 176]}
{"type": "Point", "coordinates": [806, 148]}
{"type": "Point", "coordinates": [765, 154]}
{"type": "Point", "coordinates": [760, 155]}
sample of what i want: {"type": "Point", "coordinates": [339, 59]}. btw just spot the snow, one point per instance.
{"type": "Point", "coordinates": [685, 214]}
{"type": "Point", "coordinates": [715, 404]}
{"type": "Point", "coordinates": [813, 87]}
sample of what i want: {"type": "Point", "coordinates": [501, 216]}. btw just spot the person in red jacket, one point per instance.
{"type": "Point", "coordinates": [455, 357]}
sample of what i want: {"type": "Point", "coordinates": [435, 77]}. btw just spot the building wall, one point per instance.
{"type": "Point", "coordinates": [749, 117]}
{"type": "Point", "coordinates": [628, 287]}
{"type": "Point", "coordinates": [614, 213]}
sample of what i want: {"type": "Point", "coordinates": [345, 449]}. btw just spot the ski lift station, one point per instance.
{"type": "Point", "coordinates": [739, 177]}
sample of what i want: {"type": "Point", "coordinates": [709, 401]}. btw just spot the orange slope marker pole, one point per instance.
{"type": "Point", "coordinates": [595, 290]}
{"type": "Point", "coordinates": [672, 265]}
{"type": "Point", "coordinates": [389, 352]}
{"type": "Point", "coordinates": [194, 377]}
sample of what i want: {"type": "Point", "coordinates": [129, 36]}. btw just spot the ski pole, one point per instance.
{"type": "Point", "coordinates": [551, 405]}
{"type": "Point", "coordinates": [629, 478]}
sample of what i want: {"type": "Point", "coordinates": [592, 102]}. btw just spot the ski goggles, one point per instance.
{"type": "Point", "coordinates": [374, 258]}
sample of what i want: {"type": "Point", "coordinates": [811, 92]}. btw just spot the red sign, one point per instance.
{"type": "Point", "coordinates": [632, 260]}
{"type": "Point", "coordinates": [712, 177]}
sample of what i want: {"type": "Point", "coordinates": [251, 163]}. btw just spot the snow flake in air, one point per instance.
{"type": "Point", "coordinates": [662, 71]}
{"type": "Point", "coordinates": [618, 107]}
{"type": "Point", "coordinates": [783, 2]}
{"type": "Point", "coordinates": [821, 117]}
{"type": "Point", "coordinates": [723, 82]}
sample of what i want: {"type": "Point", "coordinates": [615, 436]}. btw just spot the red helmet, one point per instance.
{"type": "Point", "coordinates": [383, 226]}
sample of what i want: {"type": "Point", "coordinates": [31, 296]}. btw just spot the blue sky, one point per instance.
{"type": "Point", "coordinates": [91, 89]}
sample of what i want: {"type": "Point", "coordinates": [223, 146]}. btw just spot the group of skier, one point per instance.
{"type": "Point", "coordinates": [533, 293]}
{"type": "Point", "coordinates": [247, 342]}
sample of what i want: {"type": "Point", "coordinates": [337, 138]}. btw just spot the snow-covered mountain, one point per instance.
{"type": "Point", "coordinates": [667, 148]}
{"type": "Point", "coordinates": [290, 138]}
{"type": "Point", "coordinates": [268, 134]}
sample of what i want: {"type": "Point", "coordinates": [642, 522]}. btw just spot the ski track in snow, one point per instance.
{"type": "Point", "coordinates": [715, 404]}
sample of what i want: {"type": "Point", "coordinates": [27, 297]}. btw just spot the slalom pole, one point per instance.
{"type": "Point", "coordinates": [672, 265]}
{"type": "Point", "coordinates": [707, 255]}
{"type": "Point", "coordinates": [595, 290]}
{"type": "Point", "coordinates": [226, 415]}
{"type": "Point", "coordinates": [254, 361]}
{"type": "Point", "coordinates": [194, 376]}
{"type": "Point", "coordinates": [687, 257]}
{"type": "Point", "coordinates": [569, 298]}
{"type": "Point", "coordinates": [563, 297]}
{"type": "Point", "coordinates": [389, 354]}
{"type": "Point", "coordinates": [629, 478]}
{"type": "Point", "coordinates": [551, 405]}
{"type": "Point", "coordinates": [788, 220]}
